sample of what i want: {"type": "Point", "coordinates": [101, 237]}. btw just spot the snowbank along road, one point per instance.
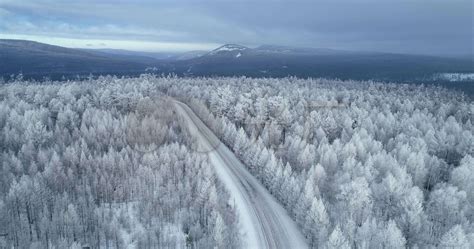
{"type": "Point", "coordinates": [264, 222]}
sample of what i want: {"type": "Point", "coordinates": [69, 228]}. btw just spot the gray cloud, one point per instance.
{"type": "Point", "coordinates": [433, 27]}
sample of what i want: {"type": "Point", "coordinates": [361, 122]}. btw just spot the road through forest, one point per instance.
{"type": "Point", "coordinates": [264, 222]}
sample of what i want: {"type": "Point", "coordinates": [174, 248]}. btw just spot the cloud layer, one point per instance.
{"type": "Point", "coordinates": [428, 27]}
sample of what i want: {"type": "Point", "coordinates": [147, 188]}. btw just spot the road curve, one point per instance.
{"type": "Point", "coordinates": [264, 222]}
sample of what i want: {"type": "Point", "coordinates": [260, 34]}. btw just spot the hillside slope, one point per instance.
{"type": "Point", "coordinates": [33, 58]}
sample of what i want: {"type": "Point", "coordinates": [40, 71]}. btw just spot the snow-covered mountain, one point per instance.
{"type": "Point", "coordinates": [235, 50]}
{"type": "Point", "coordinates": [229, 49]}
{"type": "Point", "coordinates": [279, 61]}
{"type": "Point", "coordinates": [232, 51]}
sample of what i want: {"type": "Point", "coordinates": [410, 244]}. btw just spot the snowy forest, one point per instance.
{"type": "Point", "coordinates": [79, 170]}
{"type": "Point", "coordinates": [107, 163]}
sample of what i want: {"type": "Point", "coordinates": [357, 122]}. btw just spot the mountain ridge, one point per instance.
{"type": "Point", "coordinates": [38, 60]}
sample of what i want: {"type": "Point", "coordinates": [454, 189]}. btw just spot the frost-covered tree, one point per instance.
{"type": "Point", "coordinates": [455, 238]}
{"type": "Point", "coordinates": [357, 164]}
{"type": "Point", "coordinates": [75, 172]}
{"type": "Point", "coordinates": [403, 142]}
{"type": "Point", "coordinates": [337, 240]}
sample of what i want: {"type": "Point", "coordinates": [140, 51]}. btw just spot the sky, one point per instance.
{"type": "Point", "coordinates": [441, 27]}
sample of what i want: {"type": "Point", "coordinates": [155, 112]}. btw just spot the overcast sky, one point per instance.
{"type": "Point", "coordinates": [408, 26]}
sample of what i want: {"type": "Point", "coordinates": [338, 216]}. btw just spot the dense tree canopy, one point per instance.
{"type": "Point", "coordinates": [105, 162]}
{"type": "Point", "coordinates": [357, 164]}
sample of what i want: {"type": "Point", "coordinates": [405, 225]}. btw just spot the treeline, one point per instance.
{"type": "Point", "coordinates": [357, 164]}
{"type": "Point", "coordinates": [104, 163]}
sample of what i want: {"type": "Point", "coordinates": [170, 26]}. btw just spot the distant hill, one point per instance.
{"type": "Point", "coordinates": [278, 61]}
{"type": "Point", "coordinates": [34, 58]}
{"type": "Point", "coordinates": [137, 54]}
{"type": "Point", "coordinates": [162, 56]}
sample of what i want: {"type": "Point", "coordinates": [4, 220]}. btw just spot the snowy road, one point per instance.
{"type": "Point", "coordinates": [264, 222]}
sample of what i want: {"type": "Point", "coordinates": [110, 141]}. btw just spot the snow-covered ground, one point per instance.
{"type": "Point", "coordinates": [129, 227]}
{"type": "Point", "coordinates": [264, 222]}
{"type": "Point", "coordinates": [454, 77]}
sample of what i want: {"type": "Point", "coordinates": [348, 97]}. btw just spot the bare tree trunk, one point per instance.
{"type": "Point", "coordinates": [29, 221]}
